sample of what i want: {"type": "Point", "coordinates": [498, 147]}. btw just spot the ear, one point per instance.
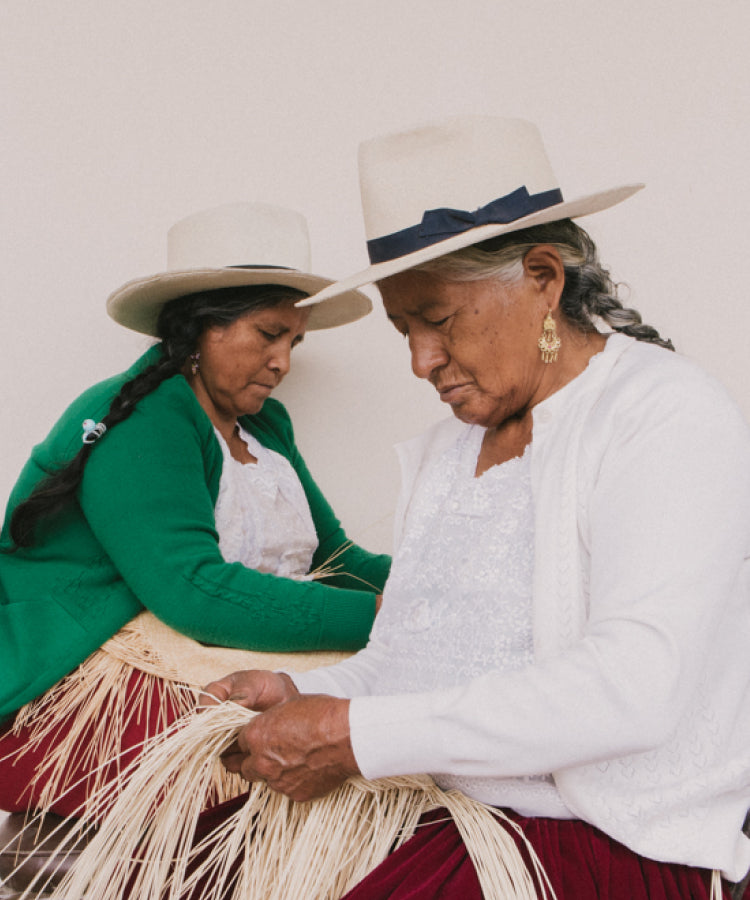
{"type": "Point", "coordinates": [543, 266]}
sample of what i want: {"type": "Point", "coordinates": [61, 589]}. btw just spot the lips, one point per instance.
{"type": "Point", "coordinates": [451, 393]}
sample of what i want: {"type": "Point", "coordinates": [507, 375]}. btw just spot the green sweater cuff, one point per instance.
{"type": "Point", "coordinates": [347, 620]}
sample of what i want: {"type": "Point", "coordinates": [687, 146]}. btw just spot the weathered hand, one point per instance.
{"type": "Point", "coordinates": [300, 747]}
{"type": "Point", "coordinates": [254, 689]}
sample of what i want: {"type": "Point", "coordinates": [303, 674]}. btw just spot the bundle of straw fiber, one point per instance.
{"type": "Point", "coordinates": [91, 702]}
{"type": "Point", "coordinates": [270, 848]}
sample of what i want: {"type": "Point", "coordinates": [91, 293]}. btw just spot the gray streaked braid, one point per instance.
{"type": "Point", "coordinates": [589, 293]}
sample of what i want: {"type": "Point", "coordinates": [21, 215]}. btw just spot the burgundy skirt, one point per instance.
{"type": "Point", "coordinates": [581, 862]}
{"type": "Point", "coordinates": [20, 783]}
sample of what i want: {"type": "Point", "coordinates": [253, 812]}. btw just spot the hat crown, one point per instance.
{"type": "Point", "coordinates": [462, 162]}
{"type": "Point", "coordinates": [239, 234]}
{"type": "Point", "coordinates": [233, 246]}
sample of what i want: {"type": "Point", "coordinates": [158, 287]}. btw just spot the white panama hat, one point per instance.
{"type": "Point", "coordinates": [228, 246]}
{"type": "Point", "coordinates": [452, 183]}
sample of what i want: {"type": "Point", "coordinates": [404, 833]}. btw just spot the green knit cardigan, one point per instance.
{"type": "Point", "coordinates": [143, 535]}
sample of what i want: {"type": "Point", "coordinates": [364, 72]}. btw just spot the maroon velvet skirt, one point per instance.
{"type": "Point", "coordinates": [21, 784]}
{"type": "Point", "coordinates": [581, 862]}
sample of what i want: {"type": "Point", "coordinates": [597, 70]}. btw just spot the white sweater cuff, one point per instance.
{"type": "Point", "coordinates": [394, 735]}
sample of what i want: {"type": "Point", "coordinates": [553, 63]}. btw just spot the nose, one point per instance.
{"type": "Point", "coordinates": [281, 359]}
{"type": "Point", "coordinates": [427, 353]}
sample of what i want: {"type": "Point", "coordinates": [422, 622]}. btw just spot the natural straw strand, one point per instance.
{"type": "Point", "coordinates": [270, 848]}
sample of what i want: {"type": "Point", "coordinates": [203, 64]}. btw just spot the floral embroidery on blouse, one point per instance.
{"type": "Point", "coordinates": [262, 514]}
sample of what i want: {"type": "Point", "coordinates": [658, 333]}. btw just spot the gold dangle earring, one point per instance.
{"type": "Point", "coordinates": [195, 362]}
{"type": "Point", "coordinates": [549, 343]}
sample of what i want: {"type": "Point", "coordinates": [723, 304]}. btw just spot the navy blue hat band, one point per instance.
{"type": "Point", "coordinates": [439, 224]}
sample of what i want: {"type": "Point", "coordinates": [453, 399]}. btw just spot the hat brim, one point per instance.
{"type": "Point", "coordinates": [137, 304]}
{"type": "Point", "coordinates": [568, 209]}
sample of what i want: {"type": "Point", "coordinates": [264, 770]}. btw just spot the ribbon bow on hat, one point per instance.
{"type": "Point", "coordinates": [461, 160]}
{"type": "Point", "coordinates": [438, 224]}
{"type": "Point", "coordinates": [519, 203]}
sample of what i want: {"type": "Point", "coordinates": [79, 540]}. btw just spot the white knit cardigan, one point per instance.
{"type": "Point", "coordinates": [639, 698]}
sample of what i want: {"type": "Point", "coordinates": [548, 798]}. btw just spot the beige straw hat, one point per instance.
{"type": "Point", "coordinates": [228, 246]}
{"type": "Point", "coordinates": [452, 183]}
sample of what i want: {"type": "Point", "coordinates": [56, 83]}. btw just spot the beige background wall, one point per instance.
{"type": "Point", "coordinates": [119, 118]}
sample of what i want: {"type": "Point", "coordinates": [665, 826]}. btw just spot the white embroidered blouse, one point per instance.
{"type": "Point", "coordinates": [462, 589]}
{"type": "Point", "coordinates": [262, 515]}
{"type": "Point", "coordinates": [638, 698]}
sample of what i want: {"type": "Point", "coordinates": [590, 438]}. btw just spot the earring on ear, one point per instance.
{"type": "Point", "coordinates": [195, 362]}
{"type": "Point", "coordinates": [549, 343]}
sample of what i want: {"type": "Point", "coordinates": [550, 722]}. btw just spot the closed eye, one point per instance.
{"type": "Point", "coordinates": [271, 336]}
{"type": "Point", "coordinates": [399, 325]}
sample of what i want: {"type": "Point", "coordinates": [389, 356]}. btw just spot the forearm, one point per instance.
{"type": "Point", "coordinates": [153, 515]}
{"type": "Point", "coordinates": [547, 717]}
{"type": "Point", "coordinates": [352, 678]}
{"type": "Point", "coordinates": [258, 611]}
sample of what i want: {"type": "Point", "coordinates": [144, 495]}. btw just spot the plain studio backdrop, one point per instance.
{"type": "Point", "coordinates": [120, 118]}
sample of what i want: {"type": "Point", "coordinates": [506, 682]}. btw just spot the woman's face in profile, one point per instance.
{"type": "Point", "coordinates": [240, 364]}
{"type": "Point", "coordinates": [475, 342]}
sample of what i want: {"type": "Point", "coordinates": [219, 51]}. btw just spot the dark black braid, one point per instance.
{"type": "Point", "coordinates": [56, 491]}
{"type": "Point", "coordinates": [180, 324]}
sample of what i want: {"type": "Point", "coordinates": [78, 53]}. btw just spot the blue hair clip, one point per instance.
{"type": "Point", "coordinates": [92, 431]}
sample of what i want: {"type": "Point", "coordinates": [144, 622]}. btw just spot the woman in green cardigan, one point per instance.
{"type": "Point", "coordinates": [174, 488]}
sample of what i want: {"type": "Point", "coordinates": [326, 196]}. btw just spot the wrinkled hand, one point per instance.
{"type": "Point", "coordinates": [299, 747]}
{"type": "Point", "coordinates": [254, 689]}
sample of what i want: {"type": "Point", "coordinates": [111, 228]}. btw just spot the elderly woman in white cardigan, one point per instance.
{"type": "Point", "coordinates": [564, 631]}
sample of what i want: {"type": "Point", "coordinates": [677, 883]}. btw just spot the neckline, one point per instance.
{"type": "Point", "coordinates": [473, 447]}
{"type": "Point", "coordinates": [252, 444]}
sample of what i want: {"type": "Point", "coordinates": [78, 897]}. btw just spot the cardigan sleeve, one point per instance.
{"type": "Point", "coordinates": [669, 530]}
{"type": "Point", "coordinates": [146, 496]}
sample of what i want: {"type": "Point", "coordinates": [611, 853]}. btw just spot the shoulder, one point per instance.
{"type": "Point", "coordinates": [441, 433]}
{"type": "Point", "coordinates": [415, 453]}
{"type": "Point", "coordinates": [656, 401]}
{"type": "Point", "coordinates": [272, 426]}
{"type": "Point", "coordinates": [641, 364]}
{"type": "Point", "coordinates": [169, 416]}
{"type": "Point", "coordinates": [168, 423]}
{"type": "Point", "coordinates": [416, 457]}
{"type": "Point", "coordinates": [64, 438]}
{"type": "Point", "coordinates": [647, 381]}
{"type": "Point", "coordinates": [273, 415]}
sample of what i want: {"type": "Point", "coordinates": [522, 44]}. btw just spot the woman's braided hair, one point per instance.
{"type": "Point", "coordinates": [181, 322]}
{"type": "Point", "coordinates": [589, 292]}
